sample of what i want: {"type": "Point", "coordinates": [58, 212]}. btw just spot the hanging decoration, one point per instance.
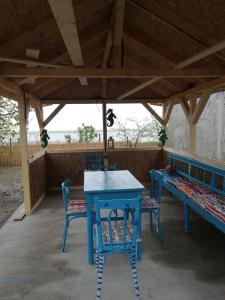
{"type": "Point", "coordinates": [162, 137]}
{"type": "Point", "coordinates": [44, 138]}
{"type": "Point", "coordinates": [110, 117]}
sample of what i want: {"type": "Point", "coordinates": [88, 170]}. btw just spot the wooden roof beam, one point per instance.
{"type": "Point", "coordinates": [152, 112]}
{"type": "Point", "coordinates": [200, 107]}
{"type": "Point", "coordinates": [53, 114]}
{"type": "Point", "coordinates": [72, 72]}
{"type": "Point", "coordinates": [168, 113]}
{"type": "Point", "coordinates": [118, 33]}
{"type": "Point", "coordinates": [185, 63]}
{"type": "Point", "coordinates": [100, 101]}
{"type": "Point", "coordinates": [65, 18]}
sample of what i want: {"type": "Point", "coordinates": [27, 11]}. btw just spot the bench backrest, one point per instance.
{"type": "Point", "coordinates": [207, 175]}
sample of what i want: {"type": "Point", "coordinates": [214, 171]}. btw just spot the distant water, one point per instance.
{"type": "Point", "coordinates": [59, 136]}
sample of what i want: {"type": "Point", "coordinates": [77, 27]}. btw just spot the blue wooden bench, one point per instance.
{"type": "Point", "coordinates": [206, 175]}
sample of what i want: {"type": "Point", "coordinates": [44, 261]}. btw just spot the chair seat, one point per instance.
{"type": "Point", "coordinates": [76, 206]}
{"type": "Point", "coordinates": [148, 202]}
{"type": "Point", "coordinates": [117, 231]}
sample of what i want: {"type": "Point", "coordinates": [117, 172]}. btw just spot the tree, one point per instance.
{"type": "Point", "coordinates": [86, 133]}
{"type": "Point", "coordinates": [68, 138]}
{"type": "Point", "coordinates": [133, 130]}
{"type": "Point", "coordinates": [9, 119]}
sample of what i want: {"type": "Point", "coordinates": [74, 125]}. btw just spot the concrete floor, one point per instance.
{"type": "Point", "coordinates": [185, 267]}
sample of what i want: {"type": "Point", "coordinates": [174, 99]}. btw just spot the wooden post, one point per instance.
{"type": "Point", "coordinates": [192, 128]}
{"type": "Point", "coordinates": [24, 154]}
{"type": "Point", "coordinates": [105, 133]}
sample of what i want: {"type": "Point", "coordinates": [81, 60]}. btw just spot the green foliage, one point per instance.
{"type": "Point", "coordinates": [9, 119]}
{"type": "Point", "coordinates": [86, 133]}
{"type": "Point", "coordinates": [68, 138]}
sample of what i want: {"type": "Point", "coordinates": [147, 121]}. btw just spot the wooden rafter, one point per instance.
{"type": "Point", "coordinates": [152, 112]}
{"type": "Point", "coordinates": [53, 114]}
{"type": "Point", "coordinates": [65, 18]}
{"type": "Point", "coordinates": [72, 72]}
{"type": "Point", "coordinates": [39, 115]}
{"type": "Point", "coordinates": [43, 31]}
{"type": "Point", "coordinates": [215, 48]}
{"type": "Point", "coordinates": [200, 107]}
{"type": "Point", "coordinates": [118, 32]}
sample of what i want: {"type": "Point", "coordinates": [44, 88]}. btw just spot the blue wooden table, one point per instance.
{"type": "Point", "coordinates": [109, 185]}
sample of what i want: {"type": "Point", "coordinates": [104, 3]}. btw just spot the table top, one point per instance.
{"type": "Point", "coordinates": [110, 181]}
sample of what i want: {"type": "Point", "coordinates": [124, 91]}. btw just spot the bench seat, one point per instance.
{"type": "Point", "coordinates": [204, 196]}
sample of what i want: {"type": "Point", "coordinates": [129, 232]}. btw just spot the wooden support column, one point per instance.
{"type": "Point", "coordinates": [24, 155]}
{"type": "Point", "coordinates": [104, 129]}
{"type": "Point", "coordinates": [192, 128]}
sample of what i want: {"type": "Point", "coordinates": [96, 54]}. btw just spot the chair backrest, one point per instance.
{"type": "Point", "coordinates": [66, 190]}
{"type": "Point", "coordinates": [107, 208]}
{"type": "Point", "coordinates": [91, 158]}
{"type": "Point", "coordinates": [157, 183]}
{"type": "Point", "coordinates": [101, 167]}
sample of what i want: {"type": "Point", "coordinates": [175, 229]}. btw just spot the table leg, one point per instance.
{"type": "Point", "coordinates": [139, 243]}
{"type": "Point", "coordinates": [90, 232]}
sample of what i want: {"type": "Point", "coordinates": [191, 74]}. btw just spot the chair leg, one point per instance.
{"type": "Point", "coordinates": [151, 224]}
{"type": "Point", "coordinates": [100, 275]}
{"type": "Point", "coordinates": [134, 275]}
{"type": "Point", "coordinates": [96, 260]}
{"type": "Point", "coordinates": [159, 229]}
{"type": "Point", "coordinates": [66, 225]}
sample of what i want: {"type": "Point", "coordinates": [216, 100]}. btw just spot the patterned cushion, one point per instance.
{"type": "Point", "coordinates": [117, 231]}
{"type": "Point", "coordinates": [76, 206]}
{"type": "Point", "coordinates": [148, 202]}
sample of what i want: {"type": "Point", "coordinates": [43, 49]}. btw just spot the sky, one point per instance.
{"type": "Point", "coordinates": [73, 115]}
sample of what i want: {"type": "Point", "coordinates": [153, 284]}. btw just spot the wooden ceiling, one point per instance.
{"type": "Point", "coordinates": [121, 51]}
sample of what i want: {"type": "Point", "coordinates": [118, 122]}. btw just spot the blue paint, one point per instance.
{"type": "Point", "coordinates": [106, 185]}
{"type": "Point", "coordinates": [188, 203]}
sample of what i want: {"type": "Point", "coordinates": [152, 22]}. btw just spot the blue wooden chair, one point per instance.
{"type": "Point", "coordinates": [151, 202]}
{"type": "Point", "coordinates": [73, 209]}
{"type": "Point", "coordinates": [101, 167]}
{"type": "Point", "coordinates": [116, 236]}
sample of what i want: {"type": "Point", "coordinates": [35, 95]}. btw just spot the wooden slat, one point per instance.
{"type": "Point", "coordinates": [99, 101]}
{"type": "Point", "coordinates": [53, 114]}
{"type": "Point", "coordinates": [65, 18]}
{"type": "Point", "coordinates": [185, 107]}
{"type": "Point", "coordinates": [155, 115]}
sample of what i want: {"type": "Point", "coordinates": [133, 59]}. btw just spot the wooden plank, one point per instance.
{"type": "Point", "coordinates": [31, 63]}
{"type": "Point", "coordinates": [200, 107]}
{"type": "Point", "coordinates": [118, 33]}
{"type": "Point", "coordinates": [72, 72]}
{"type": "Point", "coordinates": [39, 115]}
{"type": "Point", "coordinates": [65, 18]}
{"type": "Point", "coordinates": [155, 115]}
{"type": "Point", "coordinates": [53, 114]}
{"type": "Point", "coordinates": [168, 113]}
{"type": "Point", "coordinates": [24, 156]}
{"type": "Point", "coordinates": [105, 59]}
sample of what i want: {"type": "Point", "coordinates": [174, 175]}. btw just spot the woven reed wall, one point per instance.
{"type": "Point", "coordinates": [38, 180]}
{"type": "Point", "coordinates": [61, 166]}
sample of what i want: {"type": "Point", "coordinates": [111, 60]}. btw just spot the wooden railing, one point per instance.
{"type": "Point", "coordinates": [38, 180]}
{"type": "Point", "coordinates": [61, 165]}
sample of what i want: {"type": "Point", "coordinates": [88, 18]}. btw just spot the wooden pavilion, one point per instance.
{"type": "Point", "coordinates": [105, 51]}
